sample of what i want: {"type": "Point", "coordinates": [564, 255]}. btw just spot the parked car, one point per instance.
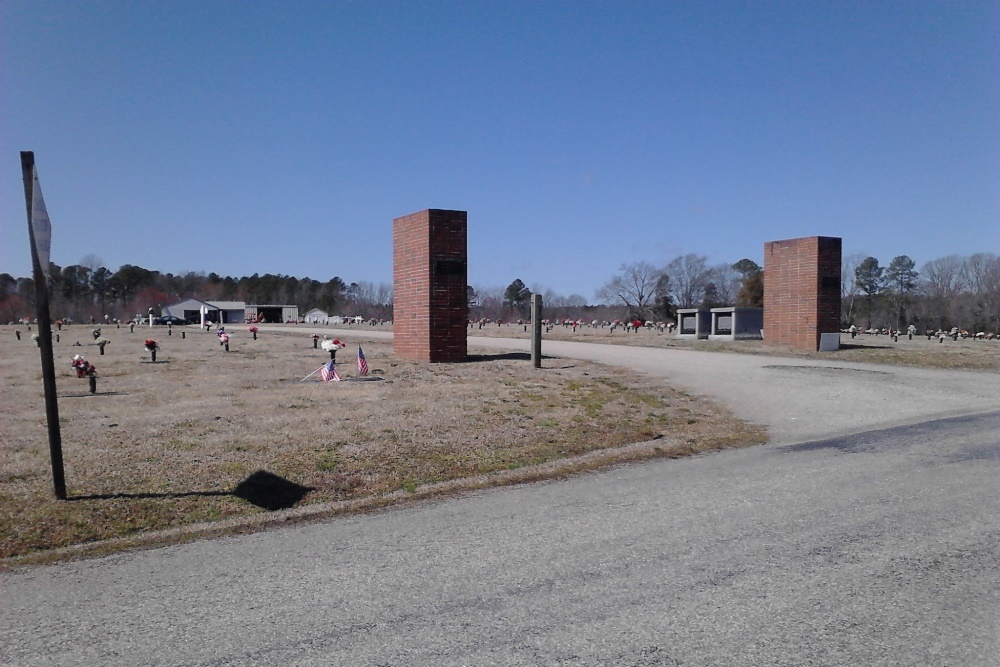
{"type": "Point", "coordinates": [170, 319]}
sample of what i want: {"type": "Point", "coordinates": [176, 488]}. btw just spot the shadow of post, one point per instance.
{"type": "Point", "coordinates": [269, 491]}
{"type": "Point", "coordinates": [262, 489]}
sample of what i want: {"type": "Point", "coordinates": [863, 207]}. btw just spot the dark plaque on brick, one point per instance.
{"type": "Point", "coordinates": [449, 267]}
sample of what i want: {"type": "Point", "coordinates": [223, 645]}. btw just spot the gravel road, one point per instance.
{"type": "Point", "coordinates": [874, 548]}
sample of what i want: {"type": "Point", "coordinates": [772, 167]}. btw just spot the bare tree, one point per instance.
{"type": "Point", "coordinates": [384, 294]}
{"type": "Point", "coordinates": [490, 302]}
{"type": "Point", "coordinates": [849, 290]}
{"type": "Point", "coordinates": [689, 276]}
{"type": "Point", "coordinates": [727, 281]}
{"type": "Point", "coordinates": [943, 280]}
{"type": "Point", "coordinates": [634, 286]}
{"type": "Point", "coordinates": [983, 273]}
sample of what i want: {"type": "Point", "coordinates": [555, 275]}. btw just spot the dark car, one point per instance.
{"type": "Point", "coordinates": [170, 319]}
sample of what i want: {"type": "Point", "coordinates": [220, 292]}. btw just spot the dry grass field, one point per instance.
{"type": "Point", "coordinates": [969, 354]}
{"type": "Point", "coordinates": [223, 439]}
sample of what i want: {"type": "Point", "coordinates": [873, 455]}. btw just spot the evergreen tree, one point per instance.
{"type": "Point", "coordinates": [517, 296]}
{"type": "Point", "coordinates": [870, 280]}
{"type": "Point", "coordinates": [901, 279]}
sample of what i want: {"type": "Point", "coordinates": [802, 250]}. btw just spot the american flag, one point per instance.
{"type": "Point", "coordinates": [362, 363]}
{"type": "Point", "coordinates": [329, 372]}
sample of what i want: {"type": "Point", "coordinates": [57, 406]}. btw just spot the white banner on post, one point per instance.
{"type": "Point", "coordinates": [40, 225]}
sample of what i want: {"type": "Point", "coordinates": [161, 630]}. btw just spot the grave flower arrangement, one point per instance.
{"type": "Point", "coordinates": [96, 333]}
{"type": "Point", "coordinates": [101, 342]}
{"type": "Point", "coordinates": [85, 369]}
{"type": "Point", "coordinates": [332, 346]}
{"type": "Point", "coordinates": [34, 337]}
{"type": "Point", "coordinates": [151, 346]}
{"type": "Point", "coordinates": [224, 340]}
{"type": "Point", "coordinates": [253, 330]}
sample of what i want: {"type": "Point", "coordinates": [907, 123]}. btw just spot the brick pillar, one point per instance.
{"type": "Point", "coordinates": [801, 290]}
{"type": "Point", "coordinates": [430, 275]}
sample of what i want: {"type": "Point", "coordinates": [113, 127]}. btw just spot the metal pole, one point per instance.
{"type": "Point", "coordinates": [44, 337]}
{"type": "Point", "coordinates": [536, 330]}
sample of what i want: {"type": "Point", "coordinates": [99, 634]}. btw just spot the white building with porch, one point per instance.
{"type": "Point", "coordinates": [198, 311]}
{"type": "Point", "coordinates": [317, 316]}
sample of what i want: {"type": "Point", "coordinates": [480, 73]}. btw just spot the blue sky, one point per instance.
{"type": "Point", "coordinates": [284, 137]}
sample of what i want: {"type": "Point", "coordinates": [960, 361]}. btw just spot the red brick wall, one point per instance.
{"type": "Point", "coordinates": [430, 274]}
{"type": "Point", "coordinates": [801, 290]}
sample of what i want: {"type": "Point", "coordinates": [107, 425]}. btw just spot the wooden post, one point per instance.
{"type": "Point", "coordinates": [44, 336]}
{"type": "Point", "coordinates": [536, 330]}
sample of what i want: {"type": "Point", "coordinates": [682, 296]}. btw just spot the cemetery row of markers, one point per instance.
{"type": "Point", "coordinates": [84, 369]}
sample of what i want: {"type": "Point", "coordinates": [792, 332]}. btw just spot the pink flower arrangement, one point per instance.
{"type": "Point", "coordinates": [252, 329]}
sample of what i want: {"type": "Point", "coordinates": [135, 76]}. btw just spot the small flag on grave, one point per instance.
{"type": "Point", "coordinates": [362, 362]}
{"type": "Point", "coordinates": [329, 372]}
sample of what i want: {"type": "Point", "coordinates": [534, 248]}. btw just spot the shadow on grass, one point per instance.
{"type": "Point", "coordinates": [504, 356]}
{"type": "Point", "coordinates": [262, 489]}
{"type": "Point", "coordinates": [856, 346]}
{"type": "Point", "coordinates": [100, 393]}
{"type": "Point", "coordinates": [511, 356]}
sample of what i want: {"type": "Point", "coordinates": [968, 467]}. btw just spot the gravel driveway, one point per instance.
{"type": "Point", "coordinates": [796, 399]}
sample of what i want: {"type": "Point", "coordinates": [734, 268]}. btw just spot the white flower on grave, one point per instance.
{"type": "Point", "coordinates": [330, 345]}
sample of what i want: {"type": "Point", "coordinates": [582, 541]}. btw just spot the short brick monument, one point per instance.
{"type": "Point", "coordinates": [430, 275]}
{"type": "Point", "coordinates": [802, 291]}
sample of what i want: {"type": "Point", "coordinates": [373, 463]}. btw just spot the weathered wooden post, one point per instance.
{"type": "Point", "coordinates": [536, 330]}
{"type": "Point", "coordinates": [40, 237]}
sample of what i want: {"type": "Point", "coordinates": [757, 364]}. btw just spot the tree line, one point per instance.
{"type": "Point", "coordinates": [90, 290]}
{"type": "Point", "coordinates": [649, 292]}
{"type": "Point", "coordinates": [952, 291]}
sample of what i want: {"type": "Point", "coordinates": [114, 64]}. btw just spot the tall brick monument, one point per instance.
{"type": "Point", "coordinates": [429, 275]}
{"type": "Point", "coordinates": [801, 290]}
